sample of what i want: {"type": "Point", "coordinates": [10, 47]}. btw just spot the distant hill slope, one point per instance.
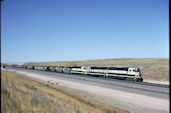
{"type": "Point", "coordinates": [151, 68]}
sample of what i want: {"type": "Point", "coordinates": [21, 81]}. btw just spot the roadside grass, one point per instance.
{"type": "Point", "coordinates": [151, 68]}
{"type": "Point", "coordinates": [21, 94]}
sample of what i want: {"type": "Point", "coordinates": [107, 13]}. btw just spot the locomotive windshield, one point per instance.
{"type": "Point", "coordinates": [138, 70]}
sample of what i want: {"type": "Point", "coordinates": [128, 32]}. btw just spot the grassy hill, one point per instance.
{"type": "Point", "coordinates": [151, 68]}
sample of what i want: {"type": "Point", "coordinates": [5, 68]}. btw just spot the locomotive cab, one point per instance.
{"type": "Point", "coordinates": [135, 72]}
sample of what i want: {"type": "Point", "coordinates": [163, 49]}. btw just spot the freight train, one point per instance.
{"type": "Point", "coordinates": [126, 73]}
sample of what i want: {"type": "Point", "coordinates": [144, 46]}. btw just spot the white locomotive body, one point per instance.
{"type": "Point", "coordinates": [127, 73]}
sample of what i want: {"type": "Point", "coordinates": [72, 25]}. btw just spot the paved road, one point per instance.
{"type": "Point", "coordinates": [146, 95]}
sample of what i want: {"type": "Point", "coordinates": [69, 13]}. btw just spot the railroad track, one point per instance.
{"type": "Point", "coordinates": [129, 86]}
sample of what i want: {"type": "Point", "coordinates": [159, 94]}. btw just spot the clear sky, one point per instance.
{"type": "Point", "coordinates": [60, 30]}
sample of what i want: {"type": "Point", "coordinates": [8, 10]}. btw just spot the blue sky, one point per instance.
{"type": "Point", "coordinates": [66, 30]}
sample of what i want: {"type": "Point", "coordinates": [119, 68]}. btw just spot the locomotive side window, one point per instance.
{"type": "Point", "coordinates": [135, 70]}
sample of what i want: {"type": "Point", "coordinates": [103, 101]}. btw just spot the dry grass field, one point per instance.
{"type": "Point", "coordinates": [20, 94]}
{"type": "Point", "coordinates": [151, 68]}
